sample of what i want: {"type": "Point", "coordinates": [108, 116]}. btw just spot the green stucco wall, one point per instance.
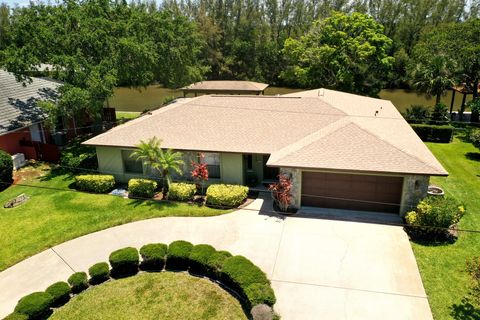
{"type": "Point", "coordinates": [231, 168]}
{"type": "Point", "coordinates": [110, 162]}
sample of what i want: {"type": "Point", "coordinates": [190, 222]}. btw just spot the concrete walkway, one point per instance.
{"type": "Point", "coordinates": [319, 268]}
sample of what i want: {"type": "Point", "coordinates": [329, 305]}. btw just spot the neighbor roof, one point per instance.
{"type": "Point", "coordinates": [320, 129]}
{"type": "Point", "coordinates": [18, 102]}
{"type": "Point", "coordinates": [225, 86]}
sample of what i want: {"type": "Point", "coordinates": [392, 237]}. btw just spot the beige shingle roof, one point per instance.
{"type": "Point", "coordinates": [226, 85]}
{"type": "Point", "coordinates": [332, 131]}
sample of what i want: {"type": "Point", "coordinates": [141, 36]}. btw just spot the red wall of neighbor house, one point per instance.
{"type": "Point", "coordinates": [10, 143]}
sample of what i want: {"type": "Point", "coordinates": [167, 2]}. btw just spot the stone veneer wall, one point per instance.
{"type": "Point", "coordinates": [296, 176]}
{"type": "Point", "coordinates": [414, 189]}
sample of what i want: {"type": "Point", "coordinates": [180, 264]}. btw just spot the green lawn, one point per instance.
{"type": "Point", "coordinates": [51, 217]}
{"type": "Point", "coordinates": [164, 295]}
{"type": "Point", "coordinates": [443, 267]}
{"type": "Point", "coordinates": [125, 115]}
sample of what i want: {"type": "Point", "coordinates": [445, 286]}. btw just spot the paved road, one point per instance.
{"type": "Point", "coordinates": [319, 268]}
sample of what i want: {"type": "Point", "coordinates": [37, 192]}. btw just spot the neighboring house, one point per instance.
{"type": "Point", "coordinates": [341, 150]}
{"type": "Point", "coordinates": [21, 119]}
{"type": "Point", "coordinates": [224, 87]}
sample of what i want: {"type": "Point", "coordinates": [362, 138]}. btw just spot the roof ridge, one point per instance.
{"type": "Point", "coordinates": [394, 146]}
{"type": "Point", "coordinates": [308, 140]}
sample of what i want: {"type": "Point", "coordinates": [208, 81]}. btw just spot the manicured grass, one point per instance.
{"type": "Point", "coordinates": [164, 295]}
{"type": "Point", "coordinates": [51, 217]}
{"type": "Point", "coordinates": [443, 267]}
{"type": "Point", "coordinates": [127, 115]}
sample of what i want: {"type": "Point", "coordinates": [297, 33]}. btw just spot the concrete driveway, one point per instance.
{"type": "Point", "coordinates": [319, 268]}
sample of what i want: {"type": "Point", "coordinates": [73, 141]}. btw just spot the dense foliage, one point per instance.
{"type": "Point", "coordinates": [35, 305]}
{"type": "Point", "coordinates": [124, 262]}
{"type": "Point", "coordinates": [6, 169]}
{"type": "Point", "coordinates": [178, 255]}
{"type": "Point", "coordinates": [153, 256]}
{"type": "Point", "coordinates": [97, 183]}
{"type": "Point", "coordinates": [141, 188]}
{"type": "Point", "coordinates": [475, 137]}
{"type": "Point", "coordinates": [78, 281]}
{"type": "Point", "coordinates": [78, 157]}
{"type": "Point", "coordinates": [60, 292]}
{"type": "Point", "coordinates": [226, 195]}
{"type": "Point", "coordinates": [434, 133]}
{"type": "Point", "coordinates": [99, 272]}
{"type": "Point", "coordinates": [181, 191]}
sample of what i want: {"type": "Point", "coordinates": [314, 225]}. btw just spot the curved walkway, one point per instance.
{"type": "Point", "coordinates": [336, 269]}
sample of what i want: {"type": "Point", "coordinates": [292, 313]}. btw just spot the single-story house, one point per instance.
{"type": "Point", "coordinates": [21, 119]}
{"type": "Point", "coordinates": [340, 150]}
{"type": "Point", "coordinates": [224, 87]}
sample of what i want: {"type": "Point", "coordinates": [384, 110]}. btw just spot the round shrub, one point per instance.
{"type": "Point", "coordinates": [124, 262]}
{"type": "Point", "coordinates": [141, 188]}
{"type": "Point", "coordinates": [99, 273]}
{"type": "Point", "coordinates": [78, 281]}
{"type": "Point", "coordinates": [260, 293]}
{"type": "Point", "coordinates": [181, 191]}
{"type": "Point", "coordinates": [226, 195]}
{"type": "Point", "coordinates": [60, 292]}
{"type": "Point", "coordinates": [199, 259]}
{"type": "Point", "coordinates": [432, 216]}
{"type": "Point", "coordinates": [475, 137]}
{"type": "Point", "coordinates": [16, 316]}
{"type": "Point", "coordinates": [216, 263]}
{"type": "Point", "coordinates": [97, 183]}
{"type": "Point", "coordinates": [6, 169]}
{"type": "Point", "coordinates": [153, 256]}
{"type": "Point", "coordinates": [262, 312]}
{"type": "Point", "coordinates": [178, 255]}
{"type": "Point", "coordinates": [35, 305]}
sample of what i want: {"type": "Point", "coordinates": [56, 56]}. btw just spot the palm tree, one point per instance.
{"type": "Point", "coordinates": [164, 161]}
{"type": "Point", "coordinates": [170, 161]}
{"type": "Point", "coordinates": [433, 76]}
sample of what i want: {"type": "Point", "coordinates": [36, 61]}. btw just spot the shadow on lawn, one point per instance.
{"type": "Point", "coordinates": [465, 310]}
{"type": "Point", "coordinates": [475, 156]}
{"type": "Point", "coordinates": [58, 172]}
{"type": "Point", "coordinates": [157, 204]}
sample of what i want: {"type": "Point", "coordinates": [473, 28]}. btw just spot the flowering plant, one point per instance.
{"type": "Point", "coordinates": [281, 192]}
{"type": "Point", "coordinates": [200, 171]}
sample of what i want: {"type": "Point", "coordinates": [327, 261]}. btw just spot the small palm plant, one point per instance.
{"type": "Point", "coordinates": [164, 161]}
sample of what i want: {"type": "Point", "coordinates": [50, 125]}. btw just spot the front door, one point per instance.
{"type": "Point", "coordinates": [269, 173]}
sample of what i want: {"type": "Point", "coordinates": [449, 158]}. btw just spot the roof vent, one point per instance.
{"type": "Point", "coordinates": [321, 92]}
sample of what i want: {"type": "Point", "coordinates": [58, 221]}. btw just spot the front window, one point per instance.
{"type": "Point", "coordinates": [213, 164]}
{"type": "Point", "coordinates": [131, 165]}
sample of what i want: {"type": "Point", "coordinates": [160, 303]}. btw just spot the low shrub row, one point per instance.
{"type": "Point", "coordinates": [141, 188]}
{"type": "Point", "coordinates": [433, 216]}
{"type": "Point", "coordinates": [434, 133]}
{"type": "Point", "coordinates": [226, 195]}
{"type": "Point", "coordinates": [236, 272]}
{"type": "Point", "coordinates": [181, 191]}
{"type": "Point", "coordinates": [97, 183]}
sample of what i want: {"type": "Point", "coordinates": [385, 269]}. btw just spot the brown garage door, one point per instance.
{"type": "Point", "coordinates": [350, 191]}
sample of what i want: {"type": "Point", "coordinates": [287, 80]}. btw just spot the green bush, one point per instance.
{"type": "Point", "coordinates": [141, 188]}
{"type": "Point", "coordinates": [78, 281]}
{"type": "Point", "coordinates": [178, 255]}
{"type": "Point", "coordinates": [97, 183]}
{"type": "Point", "coordinates": [475, 137]}
{"type": "Point", "coordinates": [35, 305]}
{"type": "Point", "coordinates": [77, 156]}
{"type": "Point", "coordinates": [417, 114]}
{"type": "Point", "coordinates": [153, 256]}
{"type": "Point", "coordinates": [16, 316]}
{"type": "Point", "coordinates": [181, 191]}
{"type": "Point", "coordinates": [215, 263]}
{"type": "Point", "coordinates": [433, 214]}
{"type": "Point", "coordinates": [124, 262]}
{"type": "Point", "coordinates": [226, 195]}
{"type": "Point", "coordinates": [99, 273]}
{"type": "Point", "coordinates": [260, 293]}
{"type": "Point", "coordinates": [434, 133]}
{"type": "Point", "coordinates": [200, 258]}
{"type": "Point", "coordinates": [6, 169]}
{"type": "Point", "coordinates": [60, 292]}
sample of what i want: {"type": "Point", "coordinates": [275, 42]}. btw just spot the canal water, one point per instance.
{"type": "Point", "coordinates": [129, 99]}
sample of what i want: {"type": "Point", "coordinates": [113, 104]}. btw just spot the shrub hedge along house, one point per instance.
{"type": "Point", "coordinates": [340, 150]}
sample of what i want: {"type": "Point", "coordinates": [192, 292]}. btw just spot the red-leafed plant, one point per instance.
{"type": "Point", "coordinates": [200, 171]}
{"type": "Point", "coordinates": [281, 192]}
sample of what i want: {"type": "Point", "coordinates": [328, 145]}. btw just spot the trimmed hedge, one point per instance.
{"type": "Point", "coordinates": [99, 273]}
{"type": "Point", "coordinates": [78, 281]}
{"type": "Point", "coordinates": [226, 195]}
{"type": "Point", "coordinates": [260, 293]}
{"type": "Point", "coordinates": [153, 256]}
{"type": "Point", "coordinates": [216, 263]}
{"type": "Point", "coordinates": [6, 169]}
{"type": "Point", "coordinates": [124, 262]}
{"type": "Point", "coordinates": [97, 183]}
{"type": "Point", "coordinates": [35, 305]}
{"type": "Point", "coordinates": [141, 188]}
{"type": "Point", "coordinates": [434, 133]}
{"type": "Point", "coordinates": [178, 255]}
{"type": "Point", "coordinates": [60, 292]}
{"type": "Point", "coordinates": [200, 259]}
{"type": "Point", "coordinates": [181, 191]}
